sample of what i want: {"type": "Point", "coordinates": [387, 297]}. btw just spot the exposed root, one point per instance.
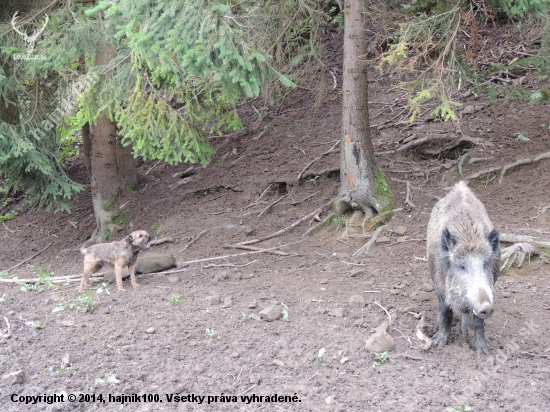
{"type": "Point", "coordinates": [320, 173]}
{"type": "Point", "coordinates": [505, 168]}
{"type": "Point", "coordinates": [453, 140]}
{"type": "Point", "coordinates": [272, 204]}
{"type": "Point", "coordinates": [260, 198]}
{"type": "Point", "coordinates": [286, 229]}
{"type": "Point", "coordinates": [365, 248]}
{"type": "Point", "coordinates": [331, 150]}
{"type": "Point", "coordinates": [321, 223]}
{"type": "Point", "coordinates": [198, 237]}
{"type": "Point", "coordinates": [26, 260]}
{"type": "Point", "coordinates": [407, 196]}
{"type": "Point", "coordinates": [273, 252]}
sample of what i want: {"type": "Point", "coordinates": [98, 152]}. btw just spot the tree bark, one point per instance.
{"type": "Point", "coordinates": [87, 147]}
{"type": "Point", "coordinates": [363, 185]}
{"type": "Point", "coordinates": [126, 163]}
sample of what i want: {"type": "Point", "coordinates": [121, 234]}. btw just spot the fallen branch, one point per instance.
{"type": "Point", "coordinates": [507, 237]}
{"type": "Point", "coordinates": [7, 326]}
{"type": "Point", "coordinates": [26, 260]}
{"type": "Point", "coordinates": [160, 241]}
{"type": "Point", "coordinates": [332, 149]}
{"type": "Point", "coordinates": [198, 237]}
{"type": "Point", "coordinates": [286, 229]}
{"type": "Point", "coordinates": [260, 198]}
{"type": "Point", "coordinates": [229, 265]}
{"type": "Point", "coordinates": [505, 168]}
{"type": "Point", "coordinates": [321, 173]}
{"type": "Point", "coordinates": [237, 254]}
{"type": "Point", "coordinates": [272, 204]}
{"type": "Point", "coordinates": [56, 279]}
{"type": "Point", "coordinates": [322, 222]}
{"type": "Point", "coordinates": [273, 252]}
{"type": "Point", "coordinates": [365, 248]}
{"type": "Point", "coordinates": [407, 200]}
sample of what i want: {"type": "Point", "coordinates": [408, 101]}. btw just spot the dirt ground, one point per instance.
{"type": "Point", "coordinates": [144, 342]}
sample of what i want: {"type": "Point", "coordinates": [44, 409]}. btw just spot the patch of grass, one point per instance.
{"type": "Point", "coordinates": [87, 302]}
{"type": "Point", "coordinates": [43, 275]}
{"type": "Point", "coordinates": [285, 315]}
{"type": "Point", "coordinates": [8, 216]}
{"type": "Point", "coordinates": [244, 317]}
{"type": "Point", "coordinates": [120, 219]}
{"type": "Point", "coordinates": [380, 358]}
{"type": "Point", "coordinates": [211, 333]}
{"type": "Point", "coordinates": [109, 204]}
{"type": "Point", "coordinates": [3, 299]}
{"type": "Point", "coordinates": [339, 222]}
{"type": "Point", "coordinates": [460, 408]}
{"type": "Point", "coordinates": [35, 324]}
{"type": "Point", "coordinates": [131, 187]}
{"type": "Point", "coordinates": [175, 299]}
{"type": "Point", "coordinates": [156, 229]}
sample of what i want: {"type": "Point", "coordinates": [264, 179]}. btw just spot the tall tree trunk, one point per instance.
{"type": "Point", "coordinates": [363, 185]}
{"type": "Point", "coordinates": [126, 163]}
{"type": "Point", "coordinates": [87, 148]}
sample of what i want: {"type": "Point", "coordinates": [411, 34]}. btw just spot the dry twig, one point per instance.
{"type": "Point", "coordinates": [271, 204]}
{"type": "Point", "coordinates": [26, 260]}
{"type": "Point", "coordinates": [332, 149]}
{"type": "Point", "coordinates": [239, 246]}
{"type": "Point", "coordinates": [365, 248]}
{"type": "Point", "coordinates": [160, 241]}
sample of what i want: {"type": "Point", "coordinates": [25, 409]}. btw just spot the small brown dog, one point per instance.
{"type": "Point", "coordinates": [119, 254]}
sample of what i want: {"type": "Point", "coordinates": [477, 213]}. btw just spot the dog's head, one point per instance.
{"type": "Point", "coordinates": [139, 239]}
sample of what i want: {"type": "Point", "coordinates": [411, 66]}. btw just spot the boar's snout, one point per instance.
{"type": "Point", "coordinates": [485, 310]}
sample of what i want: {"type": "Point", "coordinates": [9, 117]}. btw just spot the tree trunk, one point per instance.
{"type": "Point", "coordinates": [126, 164]}
{"type": "Point", "coordinates": [87, 147]}
{"type": "Point", "coordinates": [363, 185]}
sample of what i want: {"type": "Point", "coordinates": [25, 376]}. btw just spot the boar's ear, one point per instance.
{"type": "Point", "coordinates": [493, 239]}
{"type": "Point", "coordinates": [448, 241]}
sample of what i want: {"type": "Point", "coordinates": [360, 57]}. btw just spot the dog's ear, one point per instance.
{"type": "Point", "coordinates": [129, 240]}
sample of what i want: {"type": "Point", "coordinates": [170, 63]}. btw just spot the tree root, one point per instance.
{"type": "Point", "coordinates": [453, 141]}
{"type": "Point", "coordinates": [505, 168]}
{"type": "Point", "coordinates": [26, 260]}
{"type": "Point", "coordinates": [365, 248]}
{"type": "Point", "coordinates": [331, 150]}
{"type": "Point", "coordinates": [238, 246]}
{"type": "Point", "coordinates": [523, 246]}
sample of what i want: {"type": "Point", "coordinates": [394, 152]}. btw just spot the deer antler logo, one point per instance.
{"type": "Point", "coordinates": [31, 40]}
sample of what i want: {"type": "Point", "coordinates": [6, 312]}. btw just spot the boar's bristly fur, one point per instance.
{"type": "Point", "coordinates": [463, 256]}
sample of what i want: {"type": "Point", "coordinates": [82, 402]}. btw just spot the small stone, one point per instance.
{"type": "Point", "coordinates": [14, 377]}
{"type": "Point", "coordinates": [227, 302]}
{"type": "Point", "coordinates": [221, 276]}
{"type": "Point", "coordinates": [213, 300]}
{"type": "Point", "coordinates": [198, 369]}
{"type": "Point", "coordinates": [278, 363]}
{"type": "Point", "coordinates": [173, 279]}
{"type": "Point", "coordinates": [506, 294]}
{"type": "Point", "coordinates": [249, 231]}
{"type": "Point", "coordinates": [238, 276]}
{"type": "Point", "coordinates": [358, 272]}
{"type": "Point", "coordinates": [67, 360]}
{"type": "Point", "coordinates": [344, 360]}
{"type": "Point", "coordinates": [448, 165]}
{"type": "Point", "coordinates": [150, 331]}
{"type": "Point", "coordinates": [235, 355]}
{"type": "Point", "coordinates": [338, 312]}
{"type": "Point", "coordinates": [271, 313]}
{"type": "Point", "coordinates": [383, 239]}
{"type": "Point", "coordinates": [380, 342]}
{"type": "Point", "coordinates": [323, 281]}
{"type": "Point", "coordinates": [253, 304]}
{"type": "Point", "coordinates": [357, 301]}
{"type": "Point", "coordinates": [67, 323]}
{"type": "Point", "coordinates": [329, 400]}
{"type": "Point", "coordinates": [420, 296]}
{"type": "Point", "coordinates": [427, 287]}
{"type": "Point", "coordinates": [468, 109]}
{"type": "Point", "coordinates": [400, 230]}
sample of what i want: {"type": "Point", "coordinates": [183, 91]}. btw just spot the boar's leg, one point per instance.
{"type": "Point", "coordinates": [479, 336]}
{"type": "Point", "coordinates": [443, 324]}
{"type": "Point", "coordinates": [465, 324]}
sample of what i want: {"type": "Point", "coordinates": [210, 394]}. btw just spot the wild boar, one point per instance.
{"type": "Point", "coordinates": [463, 256]}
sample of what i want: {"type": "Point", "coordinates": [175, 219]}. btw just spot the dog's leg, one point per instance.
{"type": "Point", "coordinates": [132, 270]}
{"type": "Point", "coordinates": [118, 275]}
{"type": "Point", "coordinates": [84, 281]}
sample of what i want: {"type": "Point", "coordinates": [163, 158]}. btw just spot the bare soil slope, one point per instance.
{"type": "Point", "coordinates": [138, 342]}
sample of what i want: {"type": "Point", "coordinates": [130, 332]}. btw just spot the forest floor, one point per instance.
{"type": "Point", "coordinates": [146, 341]}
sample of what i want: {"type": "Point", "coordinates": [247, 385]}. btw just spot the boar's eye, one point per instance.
{"type": "Point", "coordinates": [462, 267]}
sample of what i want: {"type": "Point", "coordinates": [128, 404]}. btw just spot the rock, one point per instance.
{"type": "Point", "coordinates": [221, 276]}
{"type": "Point", "coordinates": [249, 231]}
{"type": "Point", "coordinates": [323, 281]}
{"type": "Point", "coordinates": [278, 363]}
{"type": "Point", "coordinates": [427, 287]}
{"type": "Point", "coordinates": [67, 360]}
{"type": "Point", "coordinates": [253, 304]}
{"type": "Point", "coordinates": [173, 279]}
{"type": "Point", "coordinates": [381, 341]}
{"type": "Point", "coordinates": [506, 294]}
{"type": "Point", "coordinates": [400, 230]}
{"type": "Point", "coordinates": [213, 300]}
{"type": "Point", "coordinates": [383, 239]}
{"type": "Point", "coordinates": [67, 323]}
{"type": "Point", "coordinates": [356, 301]}
{"type": "Point", "coordinates": [338, 312]}
{"type": "Point", "coordinates": [468, 109]}
{"type": "Point", "coordinates": [150, 331]}
{"type": "Point", "coordinates": [227, 302]}
{"type": "Point", "coordinates": [109, 276]}
{"type": "Point", "coordinates": [155, 262]}
{"type": "Point", "coordinates": [329, 400]}
{"type": "Point", "coordinates": [271, 313]}
{"type": "Point", "coordinates": [14, 377]}
{"type": "Point", "coordinates": [357, 272]}
{"type": "Point", "coordinates": [420, 296]}
{"type": "Point", "coordinates": [342, 255]}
